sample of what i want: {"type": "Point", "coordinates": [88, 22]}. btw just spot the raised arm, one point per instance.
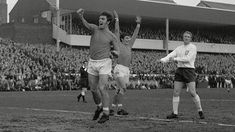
{"type": "Point", "coordinates": [116, 48]}
{"type": "Point", "coordinates": [117, 28]}
{"type": "Point", "coordinates": [85, 23]}
{"type": "Point", "coordinates": [133, 38]}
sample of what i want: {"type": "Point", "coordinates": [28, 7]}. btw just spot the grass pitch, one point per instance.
{"type": "Point", "coordinates": [59, 111]}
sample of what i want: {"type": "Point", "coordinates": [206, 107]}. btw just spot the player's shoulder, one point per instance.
{"type": "Point", "coordinates": [189, 46]}
{"type": "Point", "coordinates": [95, 27]}
{"type": "Point", "coordinates": [193, 46]}
{"type": "Point", "coordinates": [179, 47]}
{"type": "Point", "coordinates": [110, 33]}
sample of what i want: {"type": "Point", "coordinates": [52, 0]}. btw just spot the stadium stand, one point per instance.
{"type": "Point", "coordinates": [41, 67]}
{"type": "Point", "coordinates": [204, 36]}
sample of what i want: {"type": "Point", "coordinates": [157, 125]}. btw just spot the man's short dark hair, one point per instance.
{"type": "Point", "coordinates": [108, 14]}
{"type": "Point", "coordinates": [122, 35]}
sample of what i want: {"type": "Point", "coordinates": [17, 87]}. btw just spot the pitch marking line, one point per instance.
{"type": "Point", "coordinates": [218, 100]}
{"type": "Point", "coordinates": [49, 110]}
{"type": "Point", "coordinates": [61, 111]}
{"type": "Point", "coordinates": [206, 100]}
{"type": "Point", "coordinates": [141, 118]}
{"type": "Point", "coordinates": [227, 125]}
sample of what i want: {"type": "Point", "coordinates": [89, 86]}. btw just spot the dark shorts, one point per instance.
{"type": "Point", "coordinates": [186, 75]}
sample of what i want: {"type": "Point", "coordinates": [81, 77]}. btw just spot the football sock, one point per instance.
{"type": "Point", "coordinates": [197, 102]}
{"type": "Point", "coordinates": [175, 103]}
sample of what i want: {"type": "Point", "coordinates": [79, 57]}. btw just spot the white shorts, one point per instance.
{"type": "Point", "coordinates": [121, 71]}
{"type": "Point", "coordinates": [84, 90]}
{"type": "Point", "coordinates": [97, 67]}
{"type": "Point", "coordinates": [228, 81]}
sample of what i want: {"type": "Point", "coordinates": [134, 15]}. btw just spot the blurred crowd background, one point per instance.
{"type": "Point", "coordinates": [25, 66]}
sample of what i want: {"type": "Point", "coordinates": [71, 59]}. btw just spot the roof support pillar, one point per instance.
{"type": "Point", "coordinates": [58, 25]}
{"type": "Point", "coordinates": [167, 37]}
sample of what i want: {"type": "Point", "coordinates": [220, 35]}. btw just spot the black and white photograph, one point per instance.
{"type": "Point", "coordinates": [117, 65]}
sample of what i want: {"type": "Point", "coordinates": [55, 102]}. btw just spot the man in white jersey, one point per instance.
{"type": "Point", "coordinates": [100, 64]}
{"type": "Point", "coordinates": [185, 56]}
{"type": "Point", "coordinates": [121, 70]}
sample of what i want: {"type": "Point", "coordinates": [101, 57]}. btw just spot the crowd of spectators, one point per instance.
{"type": "Point", "coordinates": [147, 32]}
{"type": "Point", "coordinates": [41, 67]}
{"type": "Point", "coordinates": [25, 66]}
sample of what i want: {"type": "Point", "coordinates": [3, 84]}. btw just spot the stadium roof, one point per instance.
{"type": "Point", "coordinates": [216, 5]}
{"type": "Point", "coordinates": [165, 1]}
{"type": "Point", "coordinates": [52, 2]}
{"type": "Point", "coordinates": [154, 9]}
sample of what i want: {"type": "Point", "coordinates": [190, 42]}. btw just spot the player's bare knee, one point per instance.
{"type": "Point", "coordinates": [93, 89]}
{"type": "Point", "coordinates": [122, 91]}
{"type": "Point", "coordinates": [93, 86]}
{"type": "Point", "coordinates": [176, 93]}
{"type": "Point", "coordinates": [103, 86]}
{"type": "Point", "coordinates": [193, 93]}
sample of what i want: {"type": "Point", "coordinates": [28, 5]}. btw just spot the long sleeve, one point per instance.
{"type": "Point", "coordinates": [167, 58]}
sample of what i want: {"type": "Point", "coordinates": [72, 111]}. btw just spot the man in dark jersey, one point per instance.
{"type": "Point", "coordinates": [100, 64]}
{"type": "Point", "coordinates": [121, 70]}
{"type": "Point", "coordinates": [83, 82]}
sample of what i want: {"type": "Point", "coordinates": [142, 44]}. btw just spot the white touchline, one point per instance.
{"type": "Point", "coordinates": [49, 110]}
{"type": "Point", "coordinates": [128, 117]}
{"type": "Point", "coordinates": [228, 125]}
{"type": "Point", "coordinates": [218, 100]}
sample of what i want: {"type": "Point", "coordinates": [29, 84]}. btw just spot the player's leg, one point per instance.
{"type": "Point", "coordinates": [122, 82]}
{"type": "Point", "coordinates": [83, 98]}
{"type": "Point", "coordinates": [93, 82]}
{"type": "Point", "coordinates": [80, 87]}
{"type": "Point", "coordinates": [103, 80]}
{"type": "Point", "coordinates": [229, 85]}
{"type": "Point", "coordinates": [83, 93]}
{"type": "Point", "coordinates": [84, 89]}
{"type": "Point", "coordinates": [122, 79]}
{"type": "Point", "coordinates": [104, 72]}
{"type": "Point", "coordinates": [114, 101]}
{"type": "Point", "coordinates": [176, 99]}
{"type": "Point", "coordinates": [196, 98]}
{"type": "Point", "coordinates": [187, 89]}
{"type": "Point", "coordinates": [79, 96]}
